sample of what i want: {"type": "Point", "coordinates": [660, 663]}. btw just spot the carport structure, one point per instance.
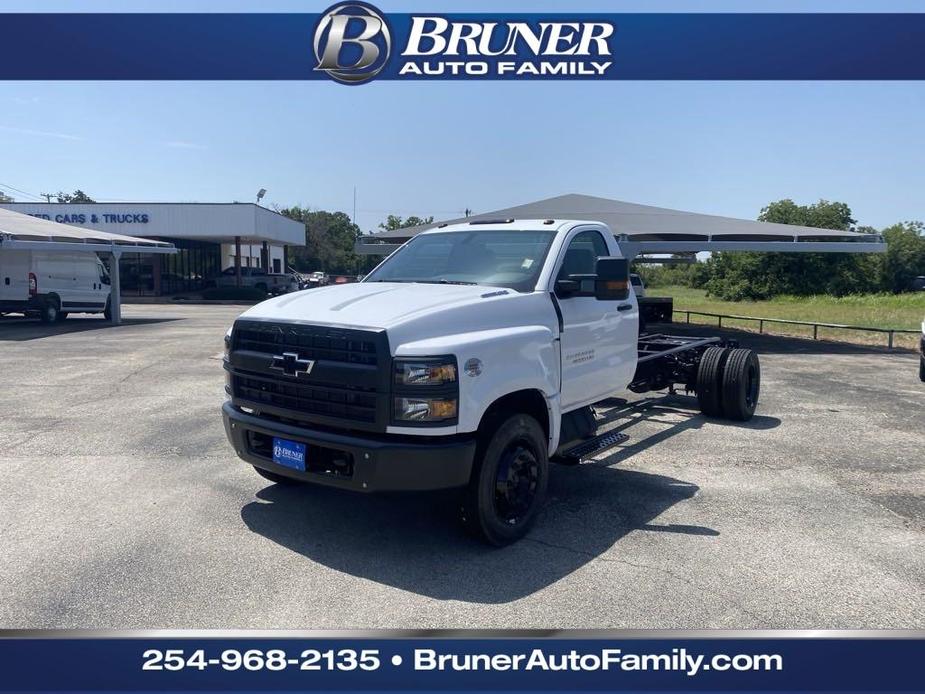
{"type": "Point", "coordinates": [646, 230]}
{"type": "Point", "coordinates": [27, 233]}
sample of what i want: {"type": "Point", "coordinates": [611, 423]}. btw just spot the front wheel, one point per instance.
{"type": "Point", "coordinates": [922, 369]}
{"type": "Point", "coordinates": [508, 482]}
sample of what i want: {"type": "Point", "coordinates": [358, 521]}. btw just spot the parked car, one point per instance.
{"type": "Point", "coordinates": [313, 280]}
{"type": "Point", "coordinates": [918, 284]}
{"type": "Point", "coordinates": [258, 278]}
{"type": "Point", "coordinates": [51, 284]}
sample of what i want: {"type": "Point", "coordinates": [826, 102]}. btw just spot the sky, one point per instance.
{"type": "Point", "coordinates": [437, 148]}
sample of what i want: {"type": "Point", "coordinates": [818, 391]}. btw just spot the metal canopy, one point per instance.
{"type": "Point", "coordinates": [26, 233]}
{"type": "Point", "coordinates": [648, 229]}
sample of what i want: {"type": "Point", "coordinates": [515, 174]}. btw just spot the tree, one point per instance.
{"type": "Point", "coordinates": [904, 259]}
{"type": "Point", "coordinates": [394, 221]}
{"type": "Point", "coordinates": [738, 276]}
{"type": "Point", "coordinates": [329, 241]}
{"type": "Point", "coordinates": [78, 196]}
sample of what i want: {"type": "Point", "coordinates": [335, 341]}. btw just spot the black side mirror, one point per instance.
{"type": "Point", "coordinates": [613, 279]}
{"type": "Point", "coordinates": [567, 288]}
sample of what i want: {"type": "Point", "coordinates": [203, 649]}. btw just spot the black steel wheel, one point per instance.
{"type": "Point", "coordinates": [710, 380]}
{"type": "Point", "coordinates": [508, 483]}
{"type": "Point", "coordinates": [741, 385]}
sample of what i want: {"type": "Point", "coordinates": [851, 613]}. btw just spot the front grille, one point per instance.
{"type": "Point", "coordinates": [311, 342]}
{"type": "Point", "coordinates": [347, 385]}
{"type": "Point", "coordinates": [330, 401]}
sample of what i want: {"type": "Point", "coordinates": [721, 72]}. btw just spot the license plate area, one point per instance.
{"type": "Point", "coordinates": [319, 460]}
{"type": "Point", "coordinates": [291, 454]}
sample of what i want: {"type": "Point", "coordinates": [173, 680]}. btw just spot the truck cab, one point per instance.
{"type": "Point", "coordinates": [469, 358]}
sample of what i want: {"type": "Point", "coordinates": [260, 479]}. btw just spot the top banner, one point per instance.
{"type": "Point", "coordinates": [355, 43]}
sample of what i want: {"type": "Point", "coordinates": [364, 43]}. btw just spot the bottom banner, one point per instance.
{"type": "Point", "coordinates": [451, 661]}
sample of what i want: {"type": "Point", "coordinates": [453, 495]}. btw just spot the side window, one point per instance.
{"type": "Point", "coordinates": [582, 254]}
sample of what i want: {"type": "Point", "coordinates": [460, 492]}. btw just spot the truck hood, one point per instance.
{"type": "Point", "coordinates": [373, 304]}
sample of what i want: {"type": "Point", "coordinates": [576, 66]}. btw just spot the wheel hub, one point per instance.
{"type": "Point", "coordinates": [516, 482]}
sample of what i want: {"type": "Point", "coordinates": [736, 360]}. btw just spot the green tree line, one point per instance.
{"type": "Point", "coordinates": [330, 239]}
{"type": "Point", "coordinates": [741, 276]}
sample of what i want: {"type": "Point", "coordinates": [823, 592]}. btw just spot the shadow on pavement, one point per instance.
{"type": "Point", "coordinates": [23, 329]}
{"type": "Point", "coordinates": [413, 541]}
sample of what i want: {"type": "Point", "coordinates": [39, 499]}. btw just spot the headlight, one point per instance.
{"type": "Point", "coordinates": [436, 372]}
{"type": "Point", "coordinates": [425, 390]}
{"type": "Point", "coordinates": [425, 409]}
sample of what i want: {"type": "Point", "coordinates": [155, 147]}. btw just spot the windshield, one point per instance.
{"type": "Point", "coordinates": [497, 258]}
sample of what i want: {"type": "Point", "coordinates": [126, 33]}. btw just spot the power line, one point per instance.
{"type": "Point", "coordinates": [21, 192]}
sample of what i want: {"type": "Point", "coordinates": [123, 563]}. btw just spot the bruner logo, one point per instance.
{"type": "Point", "coordinates": [352, 42]}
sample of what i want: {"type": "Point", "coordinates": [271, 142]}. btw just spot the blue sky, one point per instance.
{"type": "Point", "coordinates": [437, 148]}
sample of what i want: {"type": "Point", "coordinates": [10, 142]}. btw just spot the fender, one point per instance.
{"type": "Point", "coordinates": [512, 359]}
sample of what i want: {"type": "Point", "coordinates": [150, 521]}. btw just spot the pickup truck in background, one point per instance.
{"type": "Point", "coordinates": [471, 358]}
{"type": "Point", "coordinates": [258, 278]}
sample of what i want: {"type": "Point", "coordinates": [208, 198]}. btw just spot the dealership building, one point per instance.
{"type": "Point", "coordinates": [209, 237]}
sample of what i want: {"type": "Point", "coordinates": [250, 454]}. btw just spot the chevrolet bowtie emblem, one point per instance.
{"type": "Point", "coordinates": [290, 364]}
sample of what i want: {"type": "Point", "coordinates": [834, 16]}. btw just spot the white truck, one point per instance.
{"type": "Point", "coordinates": [469, 358]}
{"type": "Point", "coordinates": [52, 284]}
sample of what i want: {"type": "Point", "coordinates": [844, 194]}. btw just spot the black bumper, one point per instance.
{"type": "Point", "coordinates": [365, 464]}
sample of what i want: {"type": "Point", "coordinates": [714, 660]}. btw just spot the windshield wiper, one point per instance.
{"type": "Point", "coordinates": [443, 280]}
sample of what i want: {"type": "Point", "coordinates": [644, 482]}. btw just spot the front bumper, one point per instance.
{"type": "Point", "coordinates": [366, 464]}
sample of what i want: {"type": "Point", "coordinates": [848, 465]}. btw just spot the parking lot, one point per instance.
{"type": "Point", "coordinates": [123, 506]}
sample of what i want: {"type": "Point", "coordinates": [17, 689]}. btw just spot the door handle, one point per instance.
{"type": "Point", "coordinates": [624, 307]}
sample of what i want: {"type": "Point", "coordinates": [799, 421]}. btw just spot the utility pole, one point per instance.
{"type": "Point", "coordinates": [47, 196]}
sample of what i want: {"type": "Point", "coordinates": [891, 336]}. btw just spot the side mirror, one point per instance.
{"type": "Point", "coordinates": [567, 288]}
{"type": "Point", "coordinates": [613, 279]}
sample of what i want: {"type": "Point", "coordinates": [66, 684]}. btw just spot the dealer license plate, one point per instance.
{"type": "Point", "coordinates": [289, 453]}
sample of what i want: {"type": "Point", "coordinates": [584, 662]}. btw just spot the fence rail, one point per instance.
{"type": "Point", "coordinates": [815, 326]}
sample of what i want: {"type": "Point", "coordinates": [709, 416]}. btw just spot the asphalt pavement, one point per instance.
{"type": "Point", "coordinates": [124, 507]}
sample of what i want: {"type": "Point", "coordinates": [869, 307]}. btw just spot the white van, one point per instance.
{"type": "Point", "coordinates": [51, 284]}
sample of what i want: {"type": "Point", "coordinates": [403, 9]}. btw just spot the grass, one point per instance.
{"type": "Point", "coordinates": [900, 311]}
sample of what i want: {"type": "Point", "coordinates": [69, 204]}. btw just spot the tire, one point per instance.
{"type": "Point", "coordinates": [107, 312]}
{"type": "Point", "coordinates": [741, 385]}
{"type": "Point", "coordinates": [922, 369]}
{"type": "Point", "coordinates": [710, 380]}
{"type": "Point", "coordinates": [508, 483]}
{"type": "Point", "coordinates": [49, 311]}
{"type": "Point", "coordinates": [62, 316]}
{"type": "Point", "coordinates": [274, 477]}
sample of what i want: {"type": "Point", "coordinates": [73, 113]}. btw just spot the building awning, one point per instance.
{"type": "Point", "coordinates": [22, 231]}
{"type": "Point", "coordinates": [659, 229]}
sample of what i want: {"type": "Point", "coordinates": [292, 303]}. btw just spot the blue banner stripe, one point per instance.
{"type": "Point", "coordinates": [808, 665]}
{"type": "Point", "coordinates": [644, 46]}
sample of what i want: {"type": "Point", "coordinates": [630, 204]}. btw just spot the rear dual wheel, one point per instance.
{"type": "Point", "coordinates": [728, 383]}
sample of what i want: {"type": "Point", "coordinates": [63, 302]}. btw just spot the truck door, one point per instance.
{"type": "Point", "coordinates": [598, 342]}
